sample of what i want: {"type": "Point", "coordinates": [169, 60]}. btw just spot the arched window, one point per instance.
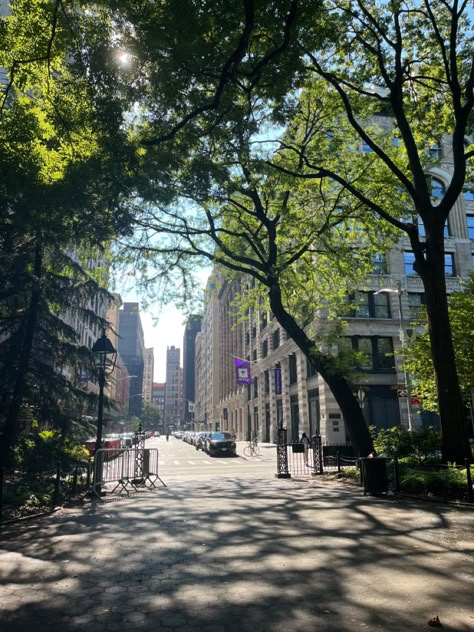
{"type": "Point", "coordinates": [437, 188]}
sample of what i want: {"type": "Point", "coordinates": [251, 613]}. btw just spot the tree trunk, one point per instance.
{"type": "Point", "coordinates": [455, 445]}
{"type": "Point", "coordinates": [325, 365]}
{"type": "Point", "coordinates": [24, 353]}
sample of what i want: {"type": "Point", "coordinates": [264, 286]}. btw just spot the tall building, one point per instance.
{"type": "Point", "coordinates": [173, 407]}
{"type": "Point", "coordinates": [132, 350]}
{"type": "Point", "coordinates": [192, 328]}
{"type": "Point", "coordinates": [207, 410]}
{"type": "Point", "coordinates": [148, 374]}
{"type": "Point", "coordinates": [158, 398]}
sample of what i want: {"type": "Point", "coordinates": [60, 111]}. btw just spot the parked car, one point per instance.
{"type": "Point", "coordinates": [200, 440]}
{"type": "Point", "coordinates": [220, 443]}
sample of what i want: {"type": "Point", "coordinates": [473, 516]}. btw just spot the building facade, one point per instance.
{"type": "Point", "coordinates": [192, 328]}
{"type": "Point", "coordinates": [149, 365]}
{"type": "Point", "coordinates": [132, 350]}
{"type": "Point", "coordinates": [173, 393]}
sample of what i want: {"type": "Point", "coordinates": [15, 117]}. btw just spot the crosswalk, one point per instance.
{"type": "Point", "coordinates": [165, 461]}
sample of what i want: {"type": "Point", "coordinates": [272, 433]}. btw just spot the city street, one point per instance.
{"type": "Point", "coordinates": [224, 548]}
{"type": "Point", "coordinates": [179, 460]}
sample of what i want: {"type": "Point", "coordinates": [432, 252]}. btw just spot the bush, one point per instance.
{"type": "Point", "coordinates": [397, 442]}
{"type": "Point", "coordinates": [450, 481]}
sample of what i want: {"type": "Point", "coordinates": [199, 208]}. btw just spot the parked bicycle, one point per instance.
{"type": "Point", "coordinates": [252, 448]}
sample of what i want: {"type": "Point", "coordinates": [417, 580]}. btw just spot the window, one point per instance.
{"type": "Point", "coordinates": [377, 352]}
{"type": "Point", "coordinates": [379, 263]}
{"type": "Point", "coordinates": [266, 376]}
{"type": "Point", "coordinates": [415, 302]}
{"type": "Point", "coordinates": [264, 348]}
{"type": "Point", "coordinates": [422, 232]}
{"type": "Point", "coordinates": [468, 191]}
{"type": "Point", "coordinates": [255, 387]}
{"type": "Point", "coordinates": [409, 261]}
{"type": "Point", "coordinates": [434, 151]}
{"type": "Point", "coordinates": [254, 332]}
{"type": "Point", "coordinates": [370, 305]}
{"type": "Point", "coordinates": [470, 226]}
{"type": "Point", "coordinates": [361, 305]}
{"type": "Point", "coordinates": [276, 338]}
{"type": "Point", "coordinates": [449, 270]}
{"type": "Point", "coordinates": [381, 305]}
{"type": "Point", "coordinates": [437, 189]}
{"type": "Point", "coordinates": [292, 369]}
{"type": "Point", "coordinates": [254, 355]}
{"type": "Point", "coordinates": [263, 320]}
{"type": "Point", "coordinates": [310, 370]}
{"type": "Point", "coordinates": [383, 353]}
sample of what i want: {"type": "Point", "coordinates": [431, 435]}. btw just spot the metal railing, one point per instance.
{"type": "Point", "coordinates": [297, 459]}
{"type": "Point", "coordinates": [128, 469]}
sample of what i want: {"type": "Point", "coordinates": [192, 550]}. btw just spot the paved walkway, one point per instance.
{"type": "Point", "coordinates": [227, 555]}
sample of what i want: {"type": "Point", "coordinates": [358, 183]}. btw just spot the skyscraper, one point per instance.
{"type": "Point", "coordinates": [173, 388]}
{"type": "Point", "coordinates": [132, 349]}
{"type": "Point", "coordinates": [193, 326]}
{"type": "Point", "coordinates": [148, 375]}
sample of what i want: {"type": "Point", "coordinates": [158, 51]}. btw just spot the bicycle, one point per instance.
{"type": "Point", "coordinates": [252, 448]}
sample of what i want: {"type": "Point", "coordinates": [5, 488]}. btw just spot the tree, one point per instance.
{"type": "Point", "coordinates": [209, 75]}
{"type": "Point", "coordinates": [57, 193]}
{"type": "Point", "coordinates": [151, 416]}
{"type": "Point", "coordinates": [417, 356]}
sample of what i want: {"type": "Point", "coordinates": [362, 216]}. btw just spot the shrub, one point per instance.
{"type": "Point", "coordinates": [446, 482]}
{"type": "Point", "coordinates": [397, 442]}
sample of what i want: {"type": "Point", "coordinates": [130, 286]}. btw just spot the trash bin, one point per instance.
{"type": "Point", "coordinates": [374, 475]}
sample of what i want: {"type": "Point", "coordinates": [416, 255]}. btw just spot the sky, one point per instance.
{"type": "Point", "coordinates": [167, 332]}
{"type": "Point", "coordinates": [163, 327]}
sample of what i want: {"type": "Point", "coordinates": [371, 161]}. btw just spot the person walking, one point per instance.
{"type": "Point", "coordinates": [306, 443]}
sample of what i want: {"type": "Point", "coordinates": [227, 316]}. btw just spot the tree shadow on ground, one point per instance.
{"type": "Point", "coordinates": [240, 555]}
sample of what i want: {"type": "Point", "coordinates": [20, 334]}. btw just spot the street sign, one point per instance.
{"type": "Point", "coordinates": [402, 393]}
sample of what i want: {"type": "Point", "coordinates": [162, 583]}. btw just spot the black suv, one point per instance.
{"type": "Point", "coordinates": [220, 443]}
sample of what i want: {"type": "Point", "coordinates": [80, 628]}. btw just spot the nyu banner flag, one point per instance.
{"type": "Point", "coordinates": [277, 380]}
{"type": "Point", "coordinates": [242, 368]}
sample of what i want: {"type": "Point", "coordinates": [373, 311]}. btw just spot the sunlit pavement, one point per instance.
{"type": "Point", "coordinates": [239, 554]}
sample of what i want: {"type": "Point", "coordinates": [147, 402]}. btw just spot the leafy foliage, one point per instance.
{"type": "Point", "coordinates": [397, 442]}
{"type": "Point", "coordinates": [417, 354]}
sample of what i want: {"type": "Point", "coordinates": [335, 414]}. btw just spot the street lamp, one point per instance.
{"type": "Point", "coordinates": [105, 357]}
{"type": "Point", "coordinates": [403, 338]}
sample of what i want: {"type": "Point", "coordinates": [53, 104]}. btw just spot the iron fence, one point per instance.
{"type": "Point", "coordinates": [296, 458]}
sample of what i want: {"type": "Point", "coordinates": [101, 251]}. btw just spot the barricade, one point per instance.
{"type": "Point", "coordinates": [127, 469]}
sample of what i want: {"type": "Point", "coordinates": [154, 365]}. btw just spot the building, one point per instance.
{"type": "Point", "coordinates": [285, 390]}
{"type": "Point", "coordinates": [132, 350]}
{"type": "Point", "coordinates": [173, 393]}
{"type": "Point", "coordinates": [158, 397]}
{"type": "Point", "coordinates": [148, 374]}
{"type": "Point", "coordinates": [207, 409]}
{"type": "Point", "coordinates": [192, 328]}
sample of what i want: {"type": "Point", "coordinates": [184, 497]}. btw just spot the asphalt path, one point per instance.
{"type": "Point", "coordinates": [180, 461]}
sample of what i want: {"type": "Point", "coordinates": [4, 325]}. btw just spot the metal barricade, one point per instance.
{"type": "Point", "coordinates": [125, 470]}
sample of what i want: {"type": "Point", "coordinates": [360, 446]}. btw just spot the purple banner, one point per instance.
{"type": "Point", "coordinates": [242, 369]}
{"type": "Point", "coordinates": [277, 380]}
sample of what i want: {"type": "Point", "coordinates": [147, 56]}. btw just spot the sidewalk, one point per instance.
{"type": "Point", "coordinates": [240, 556]}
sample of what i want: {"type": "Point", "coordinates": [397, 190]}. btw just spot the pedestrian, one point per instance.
{"type": "Point", "coordinates": [167, 436]}
{"type": "Point", "coordinates": [306, 443]}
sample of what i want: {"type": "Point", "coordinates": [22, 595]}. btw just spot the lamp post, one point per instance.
{"type": "Point", "coordinates": [403, 337]}
{"type": "Point", "coordinates": [105, 356]}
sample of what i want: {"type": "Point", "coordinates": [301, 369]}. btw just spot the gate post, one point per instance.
{"type": "Point", "coordinates": [282, 455]}
{"type": "Point", "coordinates": [316, 444]}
